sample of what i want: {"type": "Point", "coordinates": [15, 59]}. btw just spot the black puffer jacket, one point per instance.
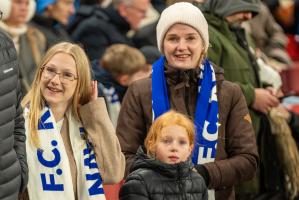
{"type": "Point", "coordinates": [13, 166]}
{"type": "Point", "coordinates": [154, 180]}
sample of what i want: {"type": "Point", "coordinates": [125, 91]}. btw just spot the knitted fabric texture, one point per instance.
{"type": "Point", "coordinates": [182, 13]}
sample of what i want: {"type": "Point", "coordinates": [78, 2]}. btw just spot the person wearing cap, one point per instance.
{"type": "Point", "coordinates": [29, 41]}
{"type": "Point", "coordinates": [232, 50]}
{"type": "Point", "coordinates": [225, 151]}
{"type": "Point", "coordinates": [52, 17]}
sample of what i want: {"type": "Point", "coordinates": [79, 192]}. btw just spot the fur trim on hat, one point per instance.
{"type": "Point", "coordinates": [183, 13]}
{"type": "Point", "coordinates": [5, 6]}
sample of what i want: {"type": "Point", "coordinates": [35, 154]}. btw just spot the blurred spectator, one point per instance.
{"type": "Point", "coordinates": [269, 37]}
{"type": "Point", "coordinates": [29, 41]}
{"type": "Point", "coordinates": [151, 54]}
{"type": "Point", "coordinates": [286, 13]}
{"type": "Point", "coordinates": [107, 26]}
{"type": "Point", "coordinates": [120, 66]}
{"type": "Point", "coordinates": [52, 17]}
{"type": "Point", "coordinates": [232, 50]}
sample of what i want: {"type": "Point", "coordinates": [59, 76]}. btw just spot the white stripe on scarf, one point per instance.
{"type": "Point", "coordinates": [49, 168]}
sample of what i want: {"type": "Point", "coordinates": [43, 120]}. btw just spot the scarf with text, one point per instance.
{"type": "Point", "coordinates": [49, 168]}
{"type": "Point", "coordinates": [206, 113]}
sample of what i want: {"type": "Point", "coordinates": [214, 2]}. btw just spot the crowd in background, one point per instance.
{"type": "Point", "coordinates": [121, 66]}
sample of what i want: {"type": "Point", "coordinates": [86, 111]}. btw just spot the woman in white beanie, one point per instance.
{"type": "Point", "coordinates": [225, 151]}
{"type": "Point", "coordinates": [29, 42]}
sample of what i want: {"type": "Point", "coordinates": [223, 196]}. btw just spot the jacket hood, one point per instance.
{"type": "Point", "coordinates": [226, 8]}
{"type": "Point", "coordinates": [181, 169]}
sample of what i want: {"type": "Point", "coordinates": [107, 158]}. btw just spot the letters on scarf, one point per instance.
{"type": "Point", "coordinates": [49, 168]}
{"type": "Point", "coordinates": [206, 114]}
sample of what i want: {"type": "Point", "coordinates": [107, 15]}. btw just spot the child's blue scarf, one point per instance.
{"type": "Point", "coordinates": [206, 114]}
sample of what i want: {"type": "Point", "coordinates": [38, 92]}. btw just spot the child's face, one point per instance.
{"type": "Point", "coordinates": [173, 146]}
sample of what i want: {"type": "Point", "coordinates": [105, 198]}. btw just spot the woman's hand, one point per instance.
{"type": "Point", "coordinates": [94, 90]}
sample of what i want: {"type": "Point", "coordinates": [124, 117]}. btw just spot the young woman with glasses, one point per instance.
{"type": "Point", "coordinates": [71, 144]}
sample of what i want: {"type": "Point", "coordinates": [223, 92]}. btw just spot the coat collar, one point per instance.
{"type": "Point", "coordinates": [180, 78]}
{"type": "Point", "coordinates": [175, 171]}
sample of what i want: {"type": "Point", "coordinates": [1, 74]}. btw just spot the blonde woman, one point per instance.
{"type": "Point", "coordinates": [71, 143]}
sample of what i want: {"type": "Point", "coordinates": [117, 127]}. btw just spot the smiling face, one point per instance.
{"type": "Point", "coordinates": [57, 90]}
{"type": "Point", "coordinates": [183, 47]}
{"type": "Point", "coordinates": [173, 145]}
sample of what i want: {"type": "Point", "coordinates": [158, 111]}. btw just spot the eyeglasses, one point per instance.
{"type": "Point", "coordinates": [64, 77]}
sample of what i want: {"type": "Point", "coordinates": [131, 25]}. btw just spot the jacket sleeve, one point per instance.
{"type": "Point", "coordinates": [214, 55]}
{"type": "Point", "coordinates": [131, 128]}
{"type": "Point", "coordinates": [133, 189]}
{"type": "Point", "coordinates": [99, 128]}
{"type": "Point", "coordinates": [240, 146]}
{"type": "Point", "coordinates": [19, 140]}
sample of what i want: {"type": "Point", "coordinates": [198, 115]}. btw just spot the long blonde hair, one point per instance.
{"type": "Point", "coordinates": [34, 99]}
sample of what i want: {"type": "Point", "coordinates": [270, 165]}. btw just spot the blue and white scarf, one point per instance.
{"type": "Point", "coordinates": [49, 168]}
{"type": "Point", "coordinates": [206, 114]}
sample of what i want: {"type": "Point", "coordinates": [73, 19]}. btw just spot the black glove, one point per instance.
{"type": "Point", "coordinates": [203, 172]}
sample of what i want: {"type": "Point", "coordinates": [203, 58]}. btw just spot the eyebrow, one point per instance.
{"type": "Point", "coordinates": [189, 34]}
{"type": "Point", "coordinates": [64, 70]}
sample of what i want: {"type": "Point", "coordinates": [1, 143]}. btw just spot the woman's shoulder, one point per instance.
{"type": "Point", "coordinates": [141, 87]}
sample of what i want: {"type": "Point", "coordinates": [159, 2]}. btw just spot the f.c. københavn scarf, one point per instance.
{"type": "Point", "coordinates": [206, 113]}
{"type": "Point", "coordinates": [49, 167]}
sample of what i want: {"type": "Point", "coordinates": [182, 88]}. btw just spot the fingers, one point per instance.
{"type": "Point", "coordinates": [94, 90]}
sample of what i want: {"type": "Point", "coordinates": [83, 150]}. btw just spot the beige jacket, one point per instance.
{"type": "Point", "coordinates": [109, 157]}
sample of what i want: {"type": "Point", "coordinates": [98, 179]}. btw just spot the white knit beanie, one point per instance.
{"type": "Point", "coordinates": [5, 7]}
{"type": "Point", "coordinates": [183, 13]}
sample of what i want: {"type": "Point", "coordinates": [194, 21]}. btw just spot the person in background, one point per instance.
{"type": "Point", "coordinates": [72, 148]}
{"type": "Point", "coordinates": [110, 25]}
{"type": "Point", "coordinates": [185, 81]}
{"type": "Point", "coordinates": [228, 38]}
{"type": "Point", "coordinates": [269, 39]}
{"type": "Point", "coordinates": [29, 42]}
{"type": "Point", "coordinates": [119, 67]}
{"type": "Point", "coordinates": [52, 17]}
{"type": "Point", "coordinates": [151, 54]}
{"type": "Point", "coordinates": [13, 164]}
{"type": "Point", "coordinates": [165, 169]}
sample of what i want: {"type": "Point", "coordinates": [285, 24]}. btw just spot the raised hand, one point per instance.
{"type": "Point", "coordinates": [94, 90]}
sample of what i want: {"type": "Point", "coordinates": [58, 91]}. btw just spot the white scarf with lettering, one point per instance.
{"type": "Point", "coordinates": [49, 168]}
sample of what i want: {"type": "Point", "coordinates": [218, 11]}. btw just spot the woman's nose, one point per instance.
{"type": "Point", "coordinates": [182, 44]}
{"type": "Point", "coordinates": [55, 79]}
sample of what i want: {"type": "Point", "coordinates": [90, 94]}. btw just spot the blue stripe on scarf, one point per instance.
{"type": "Point", "coordinates": [159, 89]}
{"type": "Point", "coordinates": [205, 111]}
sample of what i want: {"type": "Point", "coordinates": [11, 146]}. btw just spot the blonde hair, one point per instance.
{"type": "Point", "coordinates": [168, 119]}
{"type": "Point", "coordinates": [121, 59]}
{"type": "Point", "coordinates": [34, 100]}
